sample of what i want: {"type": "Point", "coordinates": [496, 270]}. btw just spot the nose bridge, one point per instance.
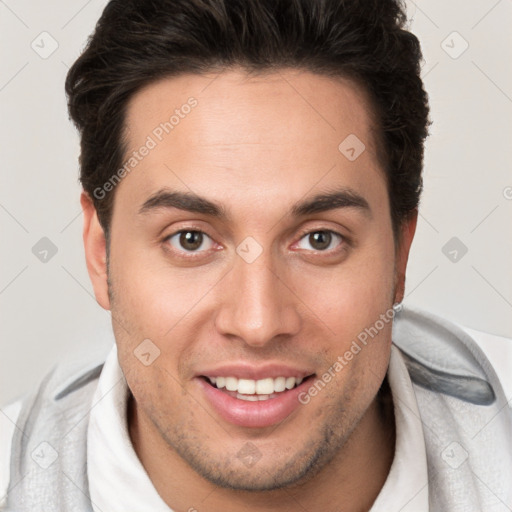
{"type": "Point", "coordinates": [257, 306]}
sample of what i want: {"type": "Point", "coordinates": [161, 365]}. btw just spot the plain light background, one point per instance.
{"type": "Point", "coordinates": [48, 310]}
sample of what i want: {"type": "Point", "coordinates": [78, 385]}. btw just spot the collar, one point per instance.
{"type": "Point", "coordinates": [406, 488]}
{"type": "Point", "coordinates": [110, 451]}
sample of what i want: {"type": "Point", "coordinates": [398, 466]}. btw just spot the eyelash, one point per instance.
{"type": "Point", "coordinates": [341, 244]}
{"type": "Point", "coordinates": [195, 254]}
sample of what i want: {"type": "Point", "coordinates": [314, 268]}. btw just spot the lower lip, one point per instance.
{"type": "Point", "coordinates": [259, 414]}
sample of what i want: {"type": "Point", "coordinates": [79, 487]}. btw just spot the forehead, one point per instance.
{"type": "Point", "coordinates": [286, 96]}
{"type": "Point", "coordinates": [212, 134]}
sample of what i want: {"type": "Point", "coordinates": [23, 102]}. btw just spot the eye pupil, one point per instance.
{"type": "Point", "coordinates": [191, 240]}
{"type": "Point", "coordinates": [320, 239]}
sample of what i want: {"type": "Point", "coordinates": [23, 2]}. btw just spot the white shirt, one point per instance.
{"type": "Point", "coordinates": [110, 452]}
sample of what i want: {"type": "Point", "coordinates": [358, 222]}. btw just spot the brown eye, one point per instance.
{"type": "Point", "coordinates": [190, 240]}
{"type": "Point", "coordinates": [320, 240]}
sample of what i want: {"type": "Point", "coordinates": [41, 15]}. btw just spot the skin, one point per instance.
{"type": "Point", "coordinates": [256, 145]}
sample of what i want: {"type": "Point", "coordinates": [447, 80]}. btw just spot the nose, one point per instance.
{"type": "Point", "coordinates": [257, 304]}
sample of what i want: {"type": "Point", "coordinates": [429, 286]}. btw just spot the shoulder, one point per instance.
{"type": "Point", "coordinates": [61, 388]}
{"type": "Point", "coordinates": [8, 419]}
{"type": "Point", "coordinates": [498, 350]}
{"type": "Point", "coordinates": [452, 359]}
{"type": "Point", "coordinates": [462, 390]}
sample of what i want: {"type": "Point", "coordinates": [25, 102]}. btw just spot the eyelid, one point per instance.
{"type": "Point", "coordinates": [307, 231]}
{"type": "Point", "coordinates": [204, 235]}
{"type": "Point", "coordinates": [182, 252]}
{"type": "Point", "coordinates": [184, 226]}
{"type": "Point", "coordinates": [302, 233]}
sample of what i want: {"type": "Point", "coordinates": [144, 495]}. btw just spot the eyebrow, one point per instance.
{"type": "Point", "coordinates": [341, 198]}
{"type": "Point", "coordinates": [166, 198]}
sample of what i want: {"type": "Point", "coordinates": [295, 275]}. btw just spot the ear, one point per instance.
{"type": "Point", "coordinates": [407, 230]}
{"type": "Point", "coordinates": [95, 247]}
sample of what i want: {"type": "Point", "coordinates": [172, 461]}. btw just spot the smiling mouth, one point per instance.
{"type": "Point", "coordinates": [255, 390]}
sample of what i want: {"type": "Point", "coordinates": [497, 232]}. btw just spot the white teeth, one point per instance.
{"type": "Point", "coordinates": [254, 398]}
{"type": "Point", "coordinates": [279, 384]}
{"type": "Point", "coordinates": [265, 386]}
{"type": "Point", "coordinates": [246, 386]}
{"type": "Point", "coordinates": [231, 383]}
{"type": "Point", "coordinates": [248, 398]}
{"type": "Point", "coordinates": [261, 387]}
{"type": "Point", "coordinates": [290, 382]}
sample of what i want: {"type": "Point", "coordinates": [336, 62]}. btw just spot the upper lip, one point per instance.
{"type": "Point", "coordinates": [248, 371]}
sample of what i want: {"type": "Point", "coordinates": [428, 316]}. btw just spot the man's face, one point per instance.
{"type": "Point", "coordinates": [261, 292]}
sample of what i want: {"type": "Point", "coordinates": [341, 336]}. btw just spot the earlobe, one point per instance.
{"type": "Point", "coordinates": [407, 231]}
{"type": "Point", "coordinates": [95, 247]}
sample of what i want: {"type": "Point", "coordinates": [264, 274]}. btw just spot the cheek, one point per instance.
{"type": "Point", "coordinates": [157, 303]}
{"type": "Point", "coordinates": [353, 295]}
{"type": "Point", "coordinates": [157, 392]}
{"type": "Point", "coordinates": [350, 303]}
{"type": "Point", "coordinates": [151, 294]}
